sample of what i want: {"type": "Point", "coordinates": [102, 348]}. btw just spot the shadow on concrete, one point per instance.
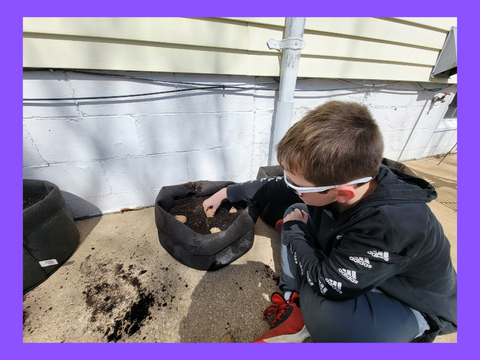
{"type": "Point", "coordinates": [263, 229]}
{"type": "Point", "coordinates": [85, 227]}
{"type": "Point", "coordinates": [229, 301]}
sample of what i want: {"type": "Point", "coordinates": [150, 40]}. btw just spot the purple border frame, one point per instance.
{"type": "Point", "coordinates": [11, 329]}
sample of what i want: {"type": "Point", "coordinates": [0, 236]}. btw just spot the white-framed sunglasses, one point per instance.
{"type": "Point", "coordinates": [299, 190]}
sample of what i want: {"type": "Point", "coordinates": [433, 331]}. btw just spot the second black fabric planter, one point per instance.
{"type": "Point", "coordinates": [202, 252]}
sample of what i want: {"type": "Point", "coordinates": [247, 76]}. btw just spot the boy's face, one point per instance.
{"type": "Point", "coordinates": [313, 198]}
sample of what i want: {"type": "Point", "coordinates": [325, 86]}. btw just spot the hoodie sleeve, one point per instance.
{"type": "Point", "coordinates": [356, 265]}
{"type": "Point", "coordinates": [264, 190]}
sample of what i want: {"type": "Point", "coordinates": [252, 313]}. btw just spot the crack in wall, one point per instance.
{"type": "Point", "coordinates": [72, 90]}
{"type": "Point", "coordinates": [35, 147]}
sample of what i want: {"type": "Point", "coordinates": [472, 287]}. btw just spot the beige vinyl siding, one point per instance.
{"type": "Point", "coordinates": [187, 32]}
{"type": "Point", "coordinates": [150, 44]}
{"type": "Point", "coordinates": [371, 48]}
{"type": "Point", "coordinates": [353, 48]}
{"type": "Point", "coordinates": [436, 23]}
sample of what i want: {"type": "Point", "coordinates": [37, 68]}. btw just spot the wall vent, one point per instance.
{"type": "Point", "coordinates": [446, 65]}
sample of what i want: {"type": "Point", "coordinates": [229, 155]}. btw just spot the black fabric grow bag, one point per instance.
{"type": "Point", "coordinates": [50, 235]}
{"type": "Point", "coordinates": [202, 252]}
{"type": "Point", "coordinates": [274, 211]}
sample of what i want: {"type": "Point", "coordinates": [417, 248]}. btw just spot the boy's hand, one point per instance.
{"type": "Point", "coordinates": [214, 201]}
{"type": "Point", "coordinates": [298, 215]}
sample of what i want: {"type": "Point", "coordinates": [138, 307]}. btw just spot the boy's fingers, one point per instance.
{"type": "Point", "coordinates": [305, 216]}
{"type": "Point", "coordinates": [296, 214]}
{"type": "Point", "coordinates": [209, 209]}
{"type": "Point", "coordinates": [206, 206]}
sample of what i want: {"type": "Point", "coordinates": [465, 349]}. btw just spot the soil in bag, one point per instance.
{"type": "Point", "coordinates": [191, 208]}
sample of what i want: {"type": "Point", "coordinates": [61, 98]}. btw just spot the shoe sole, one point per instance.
{"type": "Point", "coordinates": [291, 338]}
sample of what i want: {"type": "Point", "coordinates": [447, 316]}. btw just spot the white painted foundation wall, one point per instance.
{"type": "Point", "coordinates": [110, 154]}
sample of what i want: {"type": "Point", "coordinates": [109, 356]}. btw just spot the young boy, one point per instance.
{"type": "Point", "coordinates": [363, 257]}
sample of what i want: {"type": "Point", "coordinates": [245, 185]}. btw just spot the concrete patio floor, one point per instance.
{"type": "Point", "coordinates": [120, 285]}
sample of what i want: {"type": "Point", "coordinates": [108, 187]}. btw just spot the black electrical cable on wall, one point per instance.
{"type": "Point", "coordinates": [124, 96]}
{"type": "Point", "coordinates": [205, 87]}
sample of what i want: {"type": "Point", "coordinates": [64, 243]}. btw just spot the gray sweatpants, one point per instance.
{"type": "Point", "coordinates": [372, 317]}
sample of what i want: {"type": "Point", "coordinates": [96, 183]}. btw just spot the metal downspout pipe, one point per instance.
{"type": "Point", "coordinates": [292, 45]}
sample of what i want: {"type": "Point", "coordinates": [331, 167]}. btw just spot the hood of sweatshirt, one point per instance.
{"type": "Point", "coordinates": [395, 187]}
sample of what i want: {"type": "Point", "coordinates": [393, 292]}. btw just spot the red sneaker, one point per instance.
{"type": "Point", "coordinates": [278, 225]}
{"type": "Point", "coordinates": [288, 325]}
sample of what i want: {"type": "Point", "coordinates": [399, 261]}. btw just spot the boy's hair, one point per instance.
{"type": "Point", "coordinates": [334, 144]}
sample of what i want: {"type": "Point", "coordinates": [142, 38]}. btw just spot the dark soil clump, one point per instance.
{"type": "Point", "coordinates": [139, 312]}
{"type": "Point", "coordinates": [31, 199]}
{"type": "Point", "coordinates": [194, 186]}
{"type": "Point", "coordinates": [112, 302]}
{"type": "Point", "coordinates": [192, 208]}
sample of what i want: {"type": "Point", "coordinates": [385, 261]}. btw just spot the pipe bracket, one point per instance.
{"type": "Point", "coordinates": [291, 44]}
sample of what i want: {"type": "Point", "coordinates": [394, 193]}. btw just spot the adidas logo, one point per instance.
{"type": "Point", "coordinates": [379, 254]}
{"type": "Point", "coordinates": [323, 288]}
{"type": "Point", "coordinates": [361, 260]}
{"type": "Point", "coordinates": [337, 286]}
{"type": "Point", "coordinates": [276, 178]}
{"type": "Point", "coordinates": [309, 280]}
{"type": "Point", "coordinates": [349, 274]}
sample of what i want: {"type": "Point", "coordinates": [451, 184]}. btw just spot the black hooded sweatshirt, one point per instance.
{"type": "Point", "coordinates": [390, 240]}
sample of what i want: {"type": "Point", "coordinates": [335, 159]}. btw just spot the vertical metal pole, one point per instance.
{"type": "Point", "coordinates": [292, 46]}
{"type": "Point", "coordinates": [413, 129]}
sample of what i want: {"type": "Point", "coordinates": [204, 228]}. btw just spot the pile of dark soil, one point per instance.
{"type": "Point", "coordinates": [31, 199]}
{"type": "Point", "coordinates": [194, 186]}
{"type": "Point", "coordinates": [192, 208]}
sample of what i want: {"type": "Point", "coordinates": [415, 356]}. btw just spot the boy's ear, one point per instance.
{"type": "Point", "coordinates": [345, 193]}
